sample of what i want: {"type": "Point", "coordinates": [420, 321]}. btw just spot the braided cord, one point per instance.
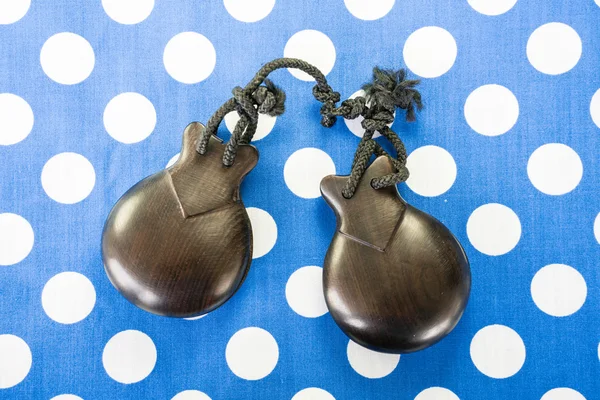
{"type": "Point", "coordinates": [388, 90]}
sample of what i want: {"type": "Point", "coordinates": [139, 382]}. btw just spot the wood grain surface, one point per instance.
{"type": "Point", "coordinates": [395, 279]}
{"type": "Point", "coordinates": [179, 243]}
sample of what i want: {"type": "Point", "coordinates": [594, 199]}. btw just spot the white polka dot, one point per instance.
{"type": "Point", "coordinates": [249, 11]}
{"type": "Point", "coordinates": [252, 353]}
{"type": "Point", "coordinates": [495, 7]}
{"type": "Point", "coordinates": [432, 171]}
{"type": "Point", "coordinates": [173, 160]}
{"type": "Point", "coordinates": [196, 318]}
{"type": "Point", "coordinates": [264, 231]}
{"type": "Point", "coordinates": [15, 360]}
{"type": "Point", "coordinates": [263, 128]}
{"type": "Point", "coordinates": [304, 170]}
{"type": "Point", "coordinates": [16, 238]}
{"type": "Point", "coordinates": [13, 10]}
{"type": "Point", "coordinates": [369, 10]}
{"type": "Point", "coordinates": [595, 107]}
{"type": "Point", "coordinates": [16, 119]}
{"type": "Point", "coordinates": [189, 57]}
{"type": "Point", "coordinates": [491, 110]}
{"type": "Point", "coordinates": [129, 117]}
{"type": "Point", "coordinates": [355, 125]}
{"type": "Point", "coordinates": [313, 393]}
{"type": "Point", "coordinates": [304, 292]}
{"type": "Point", "coordinates": [494, 229]}
{"type": "Point", "coordinates": [191, 395]}
{"type": "Point", "coordinates": [314, 47]}
{"type": "Point", "coordinates": [430, 51]}
{"type": "Point", "coordinates": [436, 393]}
{"type": "Point", "coordinates": [558, 290]}
{"type": "Point", "coordinates": [497, 351]}
{"type": "Point", "coordinates": [128, 12]}
{"type": "Point", "coordinates": [562, 394]}
{"type": "Point", "coordinates": [597, 2]}
{"type": "Point", "coordinates": [597, 228]}
{"type": "Point", "coordinates": [68, 297]}
{"type": "Point", "coordinates": [129, 356]}
{"type": "Point", "coordinates": [369, 363]}
{"type": "Point", "coordinates": [68, 178]}
{"type": "Point", "coordinates": [554, 48]}
{"type": "Point", "coordinates": [554, 169]}
{"type": "Point", "coordinates": [66, 397]}
{"type": "Point", "coordinates": [67, 58]}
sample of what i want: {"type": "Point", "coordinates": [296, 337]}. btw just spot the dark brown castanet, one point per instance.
{"type": "Point", "coordinates": [395, 279]}
{"type": "Point", "coordinates": [179, 243]}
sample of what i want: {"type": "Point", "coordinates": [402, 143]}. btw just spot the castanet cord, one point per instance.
{"type": "Point", "coordinates": [389, 90]}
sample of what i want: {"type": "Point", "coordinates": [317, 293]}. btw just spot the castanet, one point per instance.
{"type": "Point", "coordinates": [395, 279]}
{"type": "Point", "coordinates": [179, 243]}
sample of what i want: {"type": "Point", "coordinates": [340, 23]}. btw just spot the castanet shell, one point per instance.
{"type": "Point", "coordinates": [179, 243]}
{"type": "Point", "coordinates": [395, 279]}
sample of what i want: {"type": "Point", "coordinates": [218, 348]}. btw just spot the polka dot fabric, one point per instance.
{"type": "Point", "coordinates": [95, 97]}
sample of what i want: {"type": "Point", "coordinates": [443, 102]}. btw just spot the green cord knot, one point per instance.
{"type": "Point", "coordinates": [329, 98]}
{"type": "Point", "coordinates": [270, 99]}
{"type": "Point", "coordinates": [390, 90]}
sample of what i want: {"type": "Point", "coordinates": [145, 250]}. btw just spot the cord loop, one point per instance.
{"type": "Point", "coordinates": [388, 91]}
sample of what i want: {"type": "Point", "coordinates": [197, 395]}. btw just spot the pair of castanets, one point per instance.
{"type": "Point", "coordinates": [179, 243]}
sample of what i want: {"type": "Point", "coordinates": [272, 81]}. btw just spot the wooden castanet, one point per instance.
{"type": "Point", "coordinates": [179, 243]}
{"type": "Point", "coordinates": [395, 279]}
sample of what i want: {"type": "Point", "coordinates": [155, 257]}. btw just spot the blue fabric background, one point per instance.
{"type": "Point", "coordinates": [555, 229]}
